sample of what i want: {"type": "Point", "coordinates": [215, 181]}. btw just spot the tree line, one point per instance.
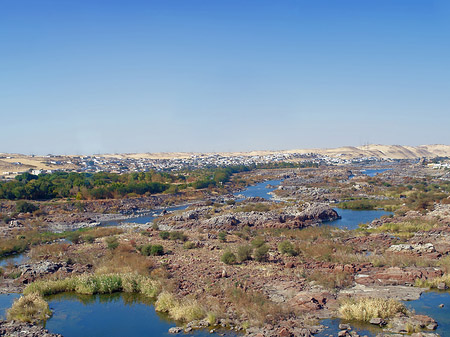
{"type": "Point", "coordinates": [104, 185]}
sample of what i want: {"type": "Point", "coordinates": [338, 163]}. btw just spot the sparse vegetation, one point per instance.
{"type": "Point", "coordinates": [287, 248]}
{"type": "Point", "coordinates": [366, 308]}
{"type": "Point", "coordinates": [29, 308]}
{"type": "Point", "coordinates": [112, 242]}
{"type": "Point", "coordinates": [228, 258]}
{"type": "Point", "coordinates": [435, 282]}
{"type": "Point", "coordinates": [244, 253]}
{"type": "Point", "coordinates": [222, 236]}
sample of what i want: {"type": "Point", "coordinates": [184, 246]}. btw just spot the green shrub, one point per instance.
{"type": "Point", "coordinates": [178, 235]}
{"type": "Point", "coordinates": [189, 245]}
{"type": "Point", "coordinates": [154, 250]}
{"type": "Point", "coordinates": [26, 207]}
{"type": "Point", "coordinates": [244, 253]}
{"type": "Point", "coordinates": [157, 250]}
{"type": "Point", "coordinates": [164, 235]}
{"type": "Point", "coordinates": [74, 237]}
{"type": "Point", "coordinates": [222, 236]}
{"type": "Point", "coordinates": [287, 248]}
{"type": "Point", "coordinates": [258, 242]}
{"type": "Point", "coordinates": [89, 238]}
{"type": "Point", "coordinates": [145, 249]}
{"type": "Point", "coordinates": [228, 258]}
{"type": "Point", "coordinates": [112, 242]}
{"type": "Point", "coordinates": [260, 253]}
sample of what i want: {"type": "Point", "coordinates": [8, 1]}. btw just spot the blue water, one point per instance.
{"type": "Point", "coordinates": [373, 173]}
{"type": "Point", "coordinates": [145, 218]}
{"type": "Point", "coordinates": [333, 328]}
{"type": "Point", "coordinates": [428, 304]}
{"type": "Point", "coordinates": [14, 259]}
{"type": "Point", "coordinates": [114, 315]}
{"type": "Point", "coordinates": [6, 301]}
{"type": "Point", "coordinates": [259, 190]}
{"type": "Point", "coordinates": [352, 218]}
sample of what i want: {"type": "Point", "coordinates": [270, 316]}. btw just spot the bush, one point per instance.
{"type": "Point", "coordinates": [145, 249]}
{"type": "Point", "coordinates": [112, 242]}
{"type": "Point", "coordinates": [433, 283]}
{"type": "Point", "coordinates": [364, 309]}
{"type": "Point", "coordinates": [222, 236]}
{"type": "Point", "coordinates": [186, 310]}
{"type": "Point", "coordinates": [74, 237]}
{"type": "Point", "coordinates": [157, 250]}
{"type": "Point", "coordinates": [89, 239]}
{"type": "Point", "coordinates": [261, 253]}
{"type": "Point", "coordinates": [164, 235]}
{"type": "Point", "coordinates": [244, 253]}
{"type": "Point", "coordinates": [258, 242]}
{"type": "Point", "coordinates": [189, 245]}
{"type": "Point", "coordinates": [287, 248]}
{"type": "Point", "coordinates": [177, 235]}
{"type": "Point", "coordinates": [154, 250]}
{"type": "Point", "coordinates": [26, 207]}
{"type": "Point", "coordinates": [228, 258]}
{"type": "Point", "coordinates": [29, 308]}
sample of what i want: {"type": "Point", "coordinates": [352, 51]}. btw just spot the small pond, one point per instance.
{"type": "Point", "coordinates": [110, 315]}
{"type": "Point", "coordinates": [373, 173]}
{"type": "Point", "coordinates": [350, 219]}
{"type": "Point", "coordinates": [13, 259]}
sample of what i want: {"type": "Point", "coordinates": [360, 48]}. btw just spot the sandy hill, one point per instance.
{"type": "Point", "coordinates": [378, 151]}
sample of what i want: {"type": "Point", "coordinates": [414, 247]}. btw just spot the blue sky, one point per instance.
{"type": "Point", "coordinates": [104, 76]}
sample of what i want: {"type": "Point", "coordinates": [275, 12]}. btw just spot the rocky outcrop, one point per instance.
{"type": "Point", "coordinates": [19, 329]}
{"type": "Point", "coordinates": [31, 272]}
{"type": "Point", "coordinates": [396, 276]}
{"type": "Point", "coordinates": [413, 248]}
{"type": "Point", "coordinates": [288, 217]}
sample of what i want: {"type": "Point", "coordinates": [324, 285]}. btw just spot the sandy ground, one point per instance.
{"type": "Point", "coordinates": [378, 151]}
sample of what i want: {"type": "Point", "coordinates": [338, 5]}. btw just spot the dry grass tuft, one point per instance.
{"type": "Point", "coordinates": [29, 308]}
{"type": "Point", "coordinates": [181, 310]}
{"type": "Point", "coordinates": [433, 283]}
{"type": "Point", "coordinates": [366, 308]}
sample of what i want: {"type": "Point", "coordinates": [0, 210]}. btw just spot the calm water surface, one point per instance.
{"type": "Point", "coordinates": [373, 173]}
{"type": "Point", "coordinates": [114, 315]}
{"type": "Point", "coordinates": [145, 218]}
{"type": "Point", "coordinates": [260, 190]}
{"type": "Point", "coordinates": [352, 218]}
{"type": "Point", "coordinates": [428, 304]}
{"type": "Point", "coordinates": [14, 259]}
{"type": "Point", "coordinates": [6, 300]}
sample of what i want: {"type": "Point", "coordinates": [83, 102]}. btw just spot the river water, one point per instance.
{"type": "Point", "coordinates": [114, 315]}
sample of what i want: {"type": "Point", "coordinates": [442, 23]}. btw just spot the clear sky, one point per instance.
{"type": "Point", "coordinates": [104, 76]}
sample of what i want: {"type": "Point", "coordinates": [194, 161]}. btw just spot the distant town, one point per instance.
{"type": "Point", "coordinates": [12, 164]}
